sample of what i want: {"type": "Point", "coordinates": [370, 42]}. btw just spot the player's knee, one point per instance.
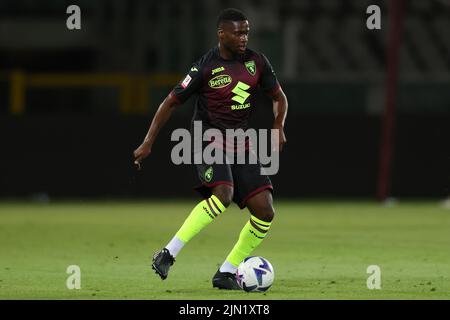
{"type": "Point", "coordinates": [264, 211]}
{"type": "Point", "coordinates": [267, 213]}
{"type": "Point", "coordinates": [224, 193]}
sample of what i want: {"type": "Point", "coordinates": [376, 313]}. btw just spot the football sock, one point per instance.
{"type": "Point", "coordinates": [174, 246]}
{"type": "Point", "coordinates": [202, 215]}
{"type": "Point", "coordinates": [253, 233]}
{"type": "Point", "coordinates": [228, 267]}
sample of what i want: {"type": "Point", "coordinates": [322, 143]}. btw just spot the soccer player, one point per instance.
{"type": "Point", "coordinates": [224, 80]}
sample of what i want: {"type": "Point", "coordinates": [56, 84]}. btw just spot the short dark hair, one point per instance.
{"type": "Point", "coordinates": [230, 14]}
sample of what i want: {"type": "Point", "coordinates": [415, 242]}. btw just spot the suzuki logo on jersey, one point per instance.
{"type": "Point", "coordinates": [220, 81]}
{"type": "Point", "coordinates": [241, 93]}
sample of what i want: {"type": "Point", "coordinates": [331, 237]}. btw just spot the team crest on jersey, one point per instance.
{"type": "Point", "coordinates": [209, 174]}
{"type": "Point", "coordinates": [251, 67]}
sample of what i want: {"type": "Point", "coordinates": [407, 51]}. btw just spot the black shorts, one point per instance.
{"type": "Point", "coordinates": [246, 180]}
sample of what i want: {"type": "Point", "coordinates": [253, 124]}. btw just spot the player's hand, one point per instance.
{"type": "Point", "coordinates": [281, 138]}
{"type": "Point", "coordinates": [141, 153]}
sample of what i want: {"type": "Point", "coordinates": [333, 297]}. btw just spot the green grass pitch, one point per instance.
{"type": "Point", "coordinates": [319, 250]}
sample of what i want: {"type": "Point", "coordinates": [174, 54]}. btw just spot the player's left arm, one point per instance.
{"type": "Point", "coordinates": [280, 107]}
{"type": "Point", "coordinates": [270, 85]}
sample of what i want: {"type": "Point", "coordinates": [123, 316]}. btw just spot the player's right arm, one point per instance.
{"type": "Point", "coordinates": [163, 114]}
{"type": "Point", "coordinates": [182, 91]}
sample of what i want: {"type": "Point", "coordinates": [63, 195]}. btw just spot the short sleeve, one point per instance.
{"type": "Point", "coordinates": [190, 84]}
{"type": "Point", "coordinates": [268, 81]}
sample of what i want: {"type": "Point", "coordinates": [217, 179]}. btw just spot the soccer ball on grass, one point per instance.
{"type": "Point", "coordinates": [255, 274]}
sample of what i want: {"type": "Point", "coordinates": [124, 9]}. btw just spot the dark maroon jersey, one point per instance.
{"type": "Point", "coordinates": [225, 89]}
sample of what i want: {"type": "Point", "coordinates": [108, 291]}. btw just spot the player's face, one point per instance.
{"type": "Point", "coordinates": [234, 36]}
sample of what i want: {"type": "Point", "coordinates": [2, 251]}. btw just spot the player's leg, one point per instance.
{"type": "Point", "coordinates": [203, 214]}
{"type": "Point", "coordinates": [217, 188]}
{"type": "Point", "coordinates": [254, 231]}
{"type": "Point", "coordinates": [253, 190]}
{"type": "Point", "coordinates": [261, 206]}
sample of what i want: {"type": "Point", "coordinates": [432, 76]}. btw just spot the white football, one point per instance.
{"type": "Point", "coordinates": [255, 274]}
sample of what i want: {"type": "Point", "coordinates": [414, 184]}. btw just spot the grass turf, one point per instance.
{"type": "Point", "coordinates": [319, 250]}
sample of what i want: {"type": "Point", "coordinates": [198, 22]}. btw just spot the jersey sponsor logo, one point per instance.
{"type": "Point", "coordinates": [240, 92]}
{"type": "Point", "coordinates": [217, 70]}
{"type": "Point", "coordinates": [251, 67]}
{"type": "Point", "coordinates": [186, 81]}
{"type": "Point", "coordinates": [221, 81]}
{"type": "Point", "coordinates": [240, 106]}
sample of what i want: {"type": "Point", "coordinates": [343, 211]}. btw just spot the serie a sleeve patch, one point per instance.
{"type": "Point", "coordinates": [186, 81]}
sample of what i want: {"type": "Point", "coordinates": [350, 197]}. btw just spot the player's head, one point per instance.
{"type": "Point", "coordinates": [232, 30]}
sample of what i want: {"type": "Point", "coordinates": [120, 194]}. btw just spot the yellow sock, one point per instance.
{"type": "Point", "coordinates": [202, 215]}
{"type": "Point", "coordinates": [253, 233]}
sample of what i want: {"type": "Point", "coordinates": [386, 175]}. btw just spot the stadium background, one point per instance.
{"type": "Point", "coordinates": [74, 104]}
